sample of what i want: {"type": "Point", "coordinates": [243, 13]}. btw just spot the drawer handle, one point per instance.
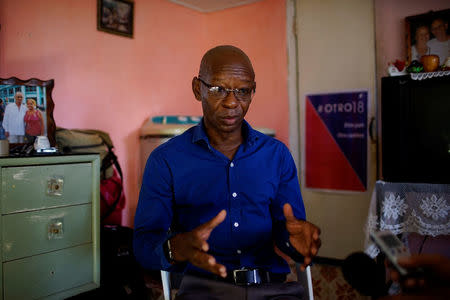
{"type": "Point", "coordinates": [55, 186]}
{"type": "Point", "coordinates": [55, 229]}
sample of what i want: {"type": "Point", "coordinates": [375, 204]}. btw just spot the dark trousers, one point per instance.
{"type": "Point", "coordinates": [196, 288]}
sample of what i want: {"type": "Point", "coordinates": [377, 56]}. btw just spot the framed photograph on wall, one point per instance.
{"type": "Point", "coordinates": [426, 34]}
{"type": "Point", "coordinates": [116, 16]}
{"type": "Point", "coordinates": [26, 109]}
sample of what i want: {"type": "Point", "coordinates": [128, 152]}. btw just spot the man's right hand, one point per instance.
{"type": "Point", "coordinates": [192, 246]}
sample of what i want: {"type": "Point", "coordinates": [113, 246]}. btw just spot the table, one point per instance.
{"type": "Point", "coordinates": [408, 207]}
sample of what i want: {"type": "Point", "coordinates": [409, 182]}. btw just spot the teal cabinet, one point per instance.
{"type": "Point", "coordinates": [50, 186]}
{"type": "Point", "coordinates": [50, 220]}
{"type": "Point", "coordinates": [39, 276]}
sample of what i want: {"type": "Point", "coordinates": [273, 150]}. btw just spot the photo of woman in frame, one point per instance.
{"type": "Point", "coordinates": [420, 47]}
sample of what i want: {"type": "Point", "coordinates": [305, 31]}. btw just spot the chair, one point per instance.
{"type": "Point", "coordinates": [304, 277]}
{"type": "Point", "coordinates": [167, 286]}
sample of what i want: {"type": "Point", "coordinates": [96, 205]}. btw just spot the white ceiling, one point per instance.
{"type": "Point", "coordinates": [212, 5]}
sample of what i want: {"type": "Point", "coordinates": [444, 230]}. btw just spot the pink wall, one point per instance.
{"type": "Point", "coordinates": [390, 27]}
{"type": "Point", "coordinates": [260, 30]}
{"type": "Point", "coordinates": [113, 83]}
{"type": "Point", "coordinates": [390, 45]}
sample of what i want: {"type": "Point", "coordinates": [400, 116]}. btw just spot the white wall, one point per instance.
{"type": "Point", "coordinates": [336, 52]}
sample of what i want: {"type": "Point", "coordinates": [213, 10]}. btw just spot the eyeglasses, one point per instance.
{"type": "Point", "coordinates": [220, 92]}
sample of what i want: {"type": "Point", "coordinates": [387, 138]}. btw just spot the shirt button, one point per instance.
{"type": "Point", "coordinates": [236, 224]}
{"type": "Point", "coordinates": [287, 244]}
{"type": "Point", "coordinates": [232, 165]}
{"type": "Point", "coordinates": [234, 195]}
{"type": "Point", "coordinates": [238, 251]}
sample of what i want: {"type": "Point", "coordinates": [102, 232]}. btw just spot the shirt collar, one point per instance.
{"type": "Point", "coordinates": [250, 135]}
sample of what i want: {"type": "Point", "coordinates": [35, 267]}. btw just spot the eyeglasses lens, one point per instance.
{"type": "Point", "coordinates": [219, 93]}
{"type": "Point", "coordinates": [240, 94]}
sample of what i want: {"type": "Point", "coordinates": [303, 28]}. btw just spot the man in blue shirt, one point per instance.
{"type": "Point", "coordinates": [216, 200]}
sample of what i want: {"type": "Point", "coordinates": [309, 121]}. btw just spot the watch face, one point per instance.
{"type": "Point", "coordinates": [168, 252]}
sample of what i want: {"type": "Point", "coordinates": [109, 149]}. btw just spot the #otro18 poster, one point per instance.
{"type": "Point", "coordinates": [336, 141]}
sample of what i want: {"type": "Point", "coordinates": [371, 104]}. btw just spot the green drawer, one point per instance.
{"type": "Point", "coordinates": [36, 187]}
{"type": "Point", "coordinates": [26, 234]}
{"type": "Point", "coordinates": [42, 275]}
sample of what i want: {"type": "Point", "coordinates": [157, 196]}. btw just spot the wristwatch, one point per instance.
{"type": "Point", "coordinates": [168, 252]}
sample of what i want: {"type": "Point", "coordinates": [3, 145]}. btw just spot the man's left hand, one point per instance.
{"type": "Point", "coordinates": [303, 236]}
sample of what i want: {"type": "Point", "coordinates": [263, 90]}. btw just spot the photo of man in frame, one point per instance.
{"type": "Point", "coordinates": [440, 44]}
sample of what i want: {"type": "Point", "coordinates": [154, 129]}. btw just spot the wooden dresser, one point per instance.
{"type": "Point", "coordinates": [49, 226]}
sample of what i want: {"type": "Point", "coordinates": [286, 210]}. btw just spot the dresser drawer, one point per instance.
{"type": "Point", "coordinates": [36, 187]}
{"type": "Point", "coordinates": [42, 275]}
{"type": "Point", "coordinates": [31, 233]}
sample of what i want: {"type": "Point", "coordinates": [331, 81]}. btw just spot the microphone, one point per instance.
{"type": "Point", "coordinates": [365, 275]}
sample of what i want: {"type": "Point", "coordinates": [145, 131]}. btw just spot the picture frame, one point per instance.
{"type": "Point", "coordinates": [38, 90]}
{"type": "Point", "coordinates": [116, 17]}
{"type": "Point", "coordinates": [412, 23]}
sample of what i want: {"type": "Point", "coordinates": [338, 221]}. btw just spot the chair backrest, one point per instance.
{"type": "Point", "coordinates": [304, 277]}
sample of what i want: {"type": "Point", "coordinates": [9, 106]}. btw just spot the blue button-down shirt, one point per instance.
{"type": "Point", "coordinates": [187, 182]}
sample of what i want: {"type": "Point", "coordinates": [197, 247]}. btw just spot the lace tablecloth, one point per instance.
{"type": "Point", "coordinates": [408, 207]}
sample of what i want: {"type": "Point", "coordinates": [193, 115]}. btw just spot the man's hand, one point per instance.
{"type": "Point", "coordinates": [432, 284]}
{"type": "Point", "coordinates": [303, 236]}
{"type": "Point", "coordinates": [193, 246]}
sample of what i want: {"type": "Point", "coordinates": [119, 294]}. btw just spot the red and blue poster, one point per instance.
{"type": "Point", "coordinates": [336, 141]}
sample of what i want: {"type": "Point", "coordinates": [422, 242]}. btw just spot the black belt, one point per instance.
{"type": "Point", "coordinates": [244, 276]}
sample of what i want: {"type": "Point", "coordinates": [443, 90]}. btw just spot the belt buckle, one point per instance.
{"type": "Point", "coordinates": [250, 276]}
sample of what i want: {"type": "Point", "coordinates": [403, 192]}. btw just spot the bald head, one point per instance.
{"type": "Point", "coordinates": [18, 97]}
{"type": "Point", "coordinates": [224, 55]}
{"type": "Point", "coordinates": [225, 86]}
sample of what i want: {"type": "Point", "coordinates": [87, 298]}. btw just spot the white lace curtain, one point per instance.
{"type": "Point", "coordinates": [408, 207]}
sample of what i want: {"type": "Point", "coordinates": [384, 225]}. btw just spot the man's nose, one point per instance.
{"type": "Point", "coordinates": [230, 100]}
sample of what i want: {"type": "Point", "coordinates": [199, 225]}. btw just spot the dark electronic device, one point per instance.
{"type": "Point", "coordinates": [414, 144]}
{"type": "Point", "coordinates": [22, 150]}
{"type": "Point", "coordinates": [365, 275]}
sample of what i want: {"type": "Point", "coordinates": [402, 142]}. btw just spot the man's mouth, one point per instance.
{"type": "Point", "coordinates": [230, 120]}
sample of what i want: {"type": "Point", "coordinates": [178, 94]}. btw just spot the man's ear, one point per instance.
{"type": "Point", "coordinates": [196, 89]}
